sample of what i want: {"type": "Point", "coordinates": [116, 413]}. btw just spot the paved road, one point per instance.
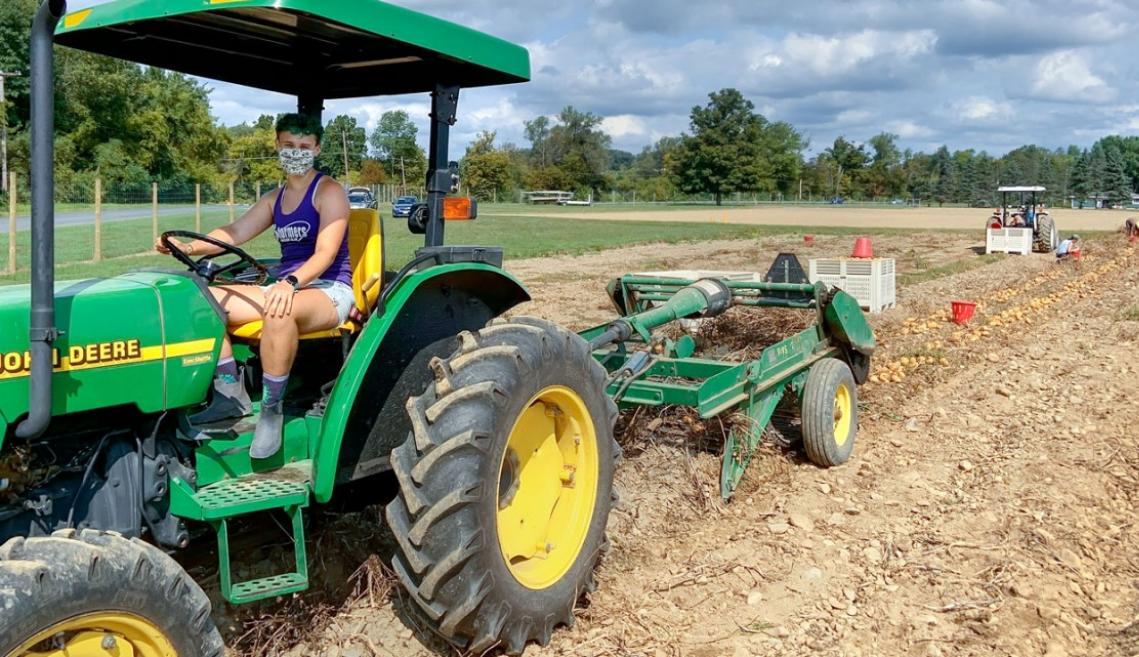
{"type": "Point", "coordinates": [78, 217]}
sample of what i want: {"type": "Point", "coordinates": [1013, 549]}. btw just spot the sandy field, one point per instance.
{"type": "Point", "coordinates": [988, 509]}
{"type": "Point", "coordinates": [928, 218]}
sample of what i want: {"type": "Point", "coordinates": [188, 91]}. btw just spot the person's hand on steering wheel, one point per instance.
{"type": "Point", "coordinates": [184, 247]}
{"type": "Point", "coordinates": [245, 270]}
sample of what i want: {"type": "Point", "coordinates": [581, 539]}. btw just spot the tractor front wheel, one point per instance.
{"type": "Point", "coordinates": [98, 594]}
{"type": "Point", "coordinates": [505, 485]}
{"type": "Point", "coordinates": [829, 412]}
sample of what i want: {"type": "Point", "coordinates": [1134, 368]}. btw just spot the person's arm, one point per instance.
{"type": "Point", "coordinates": [332, 205]}
{"type": "Point", "coordinates": [251, 224]}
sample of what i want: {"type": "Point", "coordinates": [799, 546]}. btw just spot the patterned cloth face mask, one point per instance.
{"type": "Point", "coordinates": [296, 161]}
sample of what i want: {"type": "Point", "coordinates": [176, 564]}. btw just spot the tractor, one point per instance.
{"type": "Point", "coordinates": [498, 433]}
{"type": "Point", "coordinates": [1023, 227]}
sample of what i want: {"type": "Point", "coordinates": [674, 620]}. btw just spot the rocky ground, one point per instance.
{"type": "Point", "coordinates": [988, 508]}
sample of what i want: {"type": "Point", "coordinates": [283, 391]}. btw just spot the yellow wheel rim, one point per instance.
{"type": "Point", "coordinates": [103, 634]}
{"type": "Point", "coordinates": [547, 487]}
{"type": "Point", "coordinates": [843, 410]}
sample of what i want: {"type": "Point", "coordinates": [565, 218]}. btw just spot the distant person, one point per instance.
{"type": "Point", "coordinates": [1131, 229]}
{"type": "Point", "coordinates": [1069, 248]}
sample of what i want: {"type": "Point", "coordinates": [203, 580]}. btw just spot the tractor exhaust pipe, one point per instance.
{"type": "Point", "coordinates": [42, 331]}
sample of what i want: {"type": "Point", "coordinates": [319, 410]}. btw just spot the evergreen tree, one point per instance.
{"type": "Point", "coordinates": [1081, 178]}
{"type": "Point", "coordinates": [1117, 185]}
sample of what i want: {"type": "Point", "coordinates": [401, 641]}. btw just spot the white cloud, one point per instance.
{"type": "Point", "coordinates": [981, 108]}
{"type": "Point", "coordinates": [1067, 76]}
{"type": "Point", "coordinates": [909, 129]}
{"type": "Point", "coordinates": [624, 125]}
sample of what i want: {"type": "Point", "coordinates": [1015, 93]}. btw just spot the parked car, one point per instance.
{"type": "Point", "coordinates": [361, 197]}
{"type": "Point", "coordinates": [402, 205]}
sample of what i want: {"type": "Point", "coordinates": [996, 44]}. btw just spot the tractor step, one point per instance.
{"type": "Point", "coordinates": [285, 489]}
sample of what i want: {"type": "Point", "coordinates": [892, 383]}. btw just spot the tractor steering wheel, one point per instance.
{"type": "Point", "coordinates": [245, 271]}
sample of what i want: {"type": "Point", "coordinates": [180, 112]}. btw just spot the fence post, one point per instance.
{"type": "Point", "coordinates": [231, 209]}
{"type": "Point", "coordinates": [98, 219]}
{"type": "Point", "coordinates": [154, 210]}
{"type": "Point", "coordinates": [197, 207]}
{"type": "Point", "coordinates": [11, 222]}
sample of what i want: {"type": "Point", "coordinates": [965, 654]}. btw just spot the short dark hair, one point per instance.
{"type": "Point", "coordinates": [300, 124]}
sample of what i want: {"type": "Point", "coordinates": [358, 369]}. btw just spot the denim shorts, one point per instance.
{"type": "Point", "coordinates": [342, 296]}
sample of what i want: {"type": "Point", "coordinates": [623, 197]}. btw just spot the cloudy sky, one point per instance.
{"type": "Point", "coordinates": [967, 73]}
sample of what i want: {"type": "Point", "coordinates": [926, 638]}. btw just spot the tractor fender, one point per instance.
{"type": "Point", "coordinates": [422, 309]}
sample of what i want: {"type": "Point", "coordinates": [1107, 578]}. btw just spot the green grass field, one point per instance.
{"type": "Point", "coordinates": [126, 244]}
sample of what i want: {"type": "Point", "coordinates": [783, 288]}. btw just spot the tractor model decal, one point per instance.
{"type": "Point", "coordinates": [17, 364]}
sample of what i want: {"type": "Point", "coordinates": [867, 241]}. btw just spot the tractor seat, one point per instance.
{"type": "Point", "coordinates": [366, 252]}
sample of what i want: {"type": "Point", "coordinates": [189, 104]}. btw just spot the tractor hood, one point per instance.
{"type": "Point", "coordinates": [144, 340]}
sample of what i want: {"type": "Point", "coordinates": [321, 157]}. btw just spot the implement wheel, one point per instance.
{"type": "Point", "coordinates": [830, 413]}
{"type": "Point", "coordinates": [505, 485]}
{"type": "Point", "coordinates": [96, 594]}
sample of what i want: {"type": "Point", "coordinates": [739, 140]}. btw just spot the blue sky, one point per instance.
{"type": "Point", "coordinates": [967, 73]}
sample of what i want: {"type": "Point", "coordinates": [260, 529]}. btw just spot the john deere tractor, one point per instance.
{"type": "Point", "coordinates": [499, 433]}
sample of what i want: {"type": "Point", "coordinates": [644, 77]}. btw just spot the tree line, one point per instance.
{"type": "Point", "coordinates": [732, 149]}
{"type": "Point", "coordinates": [131, 125]}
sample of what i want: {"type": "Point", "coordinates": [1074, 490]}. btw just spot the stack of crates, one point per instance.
{"type": "Point", "coordinates": [869, 280]}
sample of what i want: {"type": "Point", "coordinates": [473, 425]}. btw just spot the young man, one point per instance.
{"type": "Point", "coordinates": [313, 291]}
{"type": "Point", "coordinates": [1068, 248]}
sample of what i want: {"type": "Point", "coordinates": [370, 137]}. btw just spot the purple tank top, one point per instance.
{"type": "Point", "coordinates": [297, 231]}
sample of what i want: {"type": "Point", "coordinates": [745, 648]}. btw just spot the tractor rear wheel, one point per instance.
{"type": "Point", "coordinates": [829, 412]}
{"type": "Point", "coordinates": [1048, 236]}
{"type": "Point", "coordinates": [96, 593]}
{"type": "Point", "coordinates": [505, 485]}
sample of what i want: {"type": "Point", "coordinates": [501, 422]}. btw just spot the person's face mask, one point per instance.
{"type": "Point", "coordinates": [296, 161]}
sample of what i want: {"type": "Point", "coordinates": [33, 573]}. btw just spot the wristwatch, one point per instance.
{"type": "Point", "coordinates": [292, 280]}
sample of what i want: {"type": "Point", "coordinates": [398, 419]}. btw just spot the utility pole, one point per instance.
{"type": "Point", "coordinates": [4, 125]}
{"type": "Point", "coordinates": [344, 140]}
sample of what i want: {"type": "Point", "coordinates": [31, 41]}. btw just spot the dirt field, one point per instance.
{"type": "Point", "coordinates": [923, 218]}
{"type": "Point", "coordinates": [988, 508]}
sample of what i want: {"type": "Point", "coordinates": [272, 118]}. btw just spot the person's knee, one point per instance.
{"type": "Point", "coordinates": [279, 323]}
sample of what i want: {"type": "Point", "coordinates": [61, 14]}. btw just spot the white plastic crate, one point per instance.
{"type": "Point", "coordinates": [1008, 240]}
{"type": "Point", "coordinates": [869, 280]}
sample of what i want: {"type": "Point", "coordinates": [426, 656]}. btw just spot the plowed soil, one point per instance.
{"type": "Point", "coordinates": [989, 507]}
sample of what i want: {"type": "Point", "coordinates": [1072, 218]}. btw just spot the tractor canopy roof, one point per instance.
{"type": "Point", "coordinates": [314, 48]}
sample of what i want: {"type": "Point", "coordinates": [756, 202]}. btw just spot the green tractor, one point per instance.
{"type": "Point", "coordinates": [499, 433]}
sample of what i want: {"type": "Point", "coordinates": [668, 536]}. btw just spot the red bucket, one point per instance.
{"type": "Point", "coordinates": [963, 311]}
{"type": "Point", "coordinates": [809, 240]}
{"type": "Point", "coordinates": [862, 248]}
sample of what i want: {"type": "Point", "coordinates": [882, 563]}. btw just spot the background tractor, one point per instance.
{"type": "Point", "coordinates": [1022, 227]}
{"type": "Point", "coordinates": [499, 433]}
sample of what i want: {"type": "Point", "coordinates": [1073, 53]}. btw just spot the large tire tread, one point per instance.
{"type": "Point", "coordinates": [442, 550]}
{"type": "Point", "coordinates": [46, 580]}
